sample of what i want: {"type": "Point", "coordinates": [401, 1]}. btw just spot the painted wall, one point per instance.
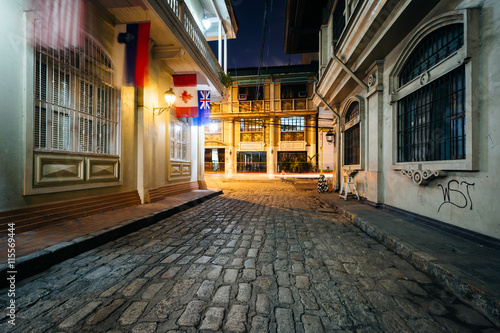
{"type": "Point", "coordinates": [13, 51]}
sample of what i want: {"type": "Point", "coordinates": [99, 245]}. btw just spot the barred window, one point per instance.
{"type": "Point", "coordinates": [179, 140]}
{"type": "Point", "coordinates": [351, 136]}
{"type": "Point", "coordinates": [437, 46]}
{"type": "Point", "coordinates": [292, 124]}
{"type": "Point", "coordinates": [431, 119]}
{"type": "Point", "coordinates": [251, 125]}
{"type": "Point", "coordinates": [75, 106]}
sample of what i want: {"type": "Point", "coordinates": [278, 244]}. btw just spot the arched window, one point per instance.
{"type": "Point", "coordinates": [431, 118]}
{"type": "Point", "coordinates": [351, 135]}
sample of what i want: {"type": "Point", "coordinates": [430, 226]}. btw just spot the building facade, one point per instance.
{"type": "Point", "coordinates": [72, 128]}
{"type": "Point", "coordinates": [413, 88]}
{"type": "Point", "coordinates": [268, 125]}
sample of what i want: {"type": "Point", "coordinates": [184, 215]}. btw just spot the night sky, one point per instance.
{"type": "Point", "coordinates": [244, 51]}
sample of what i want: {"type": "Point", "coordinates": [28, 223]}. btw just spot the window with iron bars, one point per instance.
{"type": "Point", "coordinates": [251, 125]}
{"type": "Point", "coordinates": [292, 124]}
{"type": "Point", "coordinates": [431, 120]}
{"type": "Point", "coordinates": [75, 103]}
{"type": "Point", "coordinates": [351, 136]}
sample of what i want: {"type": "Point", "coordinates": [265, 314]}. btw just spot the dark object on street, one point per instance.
{"type": "Point", "coordinates": [322, 184]}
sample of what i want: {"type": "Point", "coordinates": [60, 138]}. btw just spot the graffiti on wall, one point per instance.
{"type": "Point", "coordinates": [457, 194]}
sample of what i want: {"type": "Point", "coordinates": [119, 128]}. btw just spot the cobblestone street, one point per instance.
{"type": "Point", "coordinates": [262, 257]}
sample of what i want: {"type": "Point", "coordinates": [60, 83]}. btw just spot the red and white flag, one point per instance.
{"type": "Point", "coordinates": [186, 96]}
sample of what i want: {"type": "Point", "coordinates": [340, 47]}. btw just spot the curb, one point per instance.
{"type": "Point", "coordinates": [39, 261]}
{"type": "Point", "coordinates": [445, 274]}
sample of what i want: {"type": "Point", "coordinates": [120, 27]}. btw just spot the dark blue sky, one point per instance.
{"type": "Point", "coordinates": [244, 51]}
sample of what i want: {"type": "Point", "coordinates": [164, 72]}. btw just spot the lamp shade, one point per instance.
{"type": "Point", "coordinates": [330, 136]}
{"type": "Point", "coordinates": [169, 97]}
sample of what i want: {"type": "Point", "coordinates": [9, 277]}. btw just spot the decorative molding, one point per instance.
{"type": "Point", "coordinates": [51, 170]}
{"type": "Point", "coordinates": [179, 170]}
{"type": "Point", "coordinates": [423, 177]}
{"type": "Point", "coordinates": [251, 146]}
{"type": "Point", "coordinates": [292, 145]}
{"type": "Point", "coordinates": [102, 169]}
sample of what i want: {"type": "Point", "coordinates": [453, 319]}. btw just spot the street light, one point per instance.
{"type": "Point", "coordinates": [169, 99]}
{"type": "Point", "coordinates": [330, 137]}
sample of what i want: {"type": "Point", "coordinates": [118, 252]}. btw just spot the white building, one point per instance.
{"type": "Point", "coordinates": [414, 88]}
{"type": "Point", "coordinates": [71, 129]}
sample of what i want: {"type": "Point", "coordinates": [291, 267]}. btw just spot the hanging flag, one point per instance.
{"type": "Point", "coordinates": [58, 23]}
{"type": "Point", "coordinates": [204, 108]}
{"type": "Point", "coordinates": [136, 41]}
{"type": "Point", "coordinates": [186, 102]}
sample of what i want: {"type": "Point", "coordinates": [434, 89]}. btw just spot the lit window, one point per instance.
{"type": "Point", "coordinates": [179, 140]}
{"type": "Point", "coordinates": [213, 127]}
{"type": "Point", "coordinates": [251, 125]}
{"type": "Point", "coordinates": [292, 124]}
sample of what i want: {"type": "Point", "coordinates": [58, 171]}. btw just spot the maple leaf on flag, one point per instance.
{"type": "Point", "coordinates": [186, 96]}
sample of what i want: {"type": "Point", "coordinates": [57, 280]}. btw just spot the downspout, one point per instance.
{"type": "Point", "coordinates": [337, 130]}
{"type": "Point", "coordinates": [348, 71]}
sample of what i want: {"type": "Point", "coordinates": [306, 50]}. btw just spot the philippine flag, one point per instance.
{"type": "Point", "coordinates": [136, 41]}
{"type": "Point", "coordinates": [186, 102]}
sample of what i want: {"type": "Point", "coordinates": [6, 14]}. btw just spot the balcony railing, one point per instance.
{"type": "Point", "coordinates": [294, 104]}
{"type": "Point", "coordinates": [251, 106]}
{"type": "Point", "coordinates": [182, 12]}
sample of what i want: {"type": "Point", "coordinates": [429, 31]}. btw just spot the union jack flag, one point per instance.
{"type": "Point", "coordinates": [204, 107]}
{"type": "Point", "coordinates": [204, 100]}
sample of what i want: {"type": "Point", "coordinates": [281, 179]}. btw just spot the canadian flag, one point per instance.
{"type": "Point", "coordinates": [186, 101]}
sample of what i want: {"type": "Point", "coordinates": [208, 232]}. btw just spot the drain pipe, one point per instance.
{"type": "Point", "coordinates": [337, 130]}
{"type": "Point", "coordinates": [351, 73]}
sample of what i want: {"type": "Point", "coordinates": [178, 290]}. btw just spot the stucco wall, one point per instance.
{"type": "Point", "coordinates": [466, 199]}
{"type": "Point", "coordinates": [12, 49]}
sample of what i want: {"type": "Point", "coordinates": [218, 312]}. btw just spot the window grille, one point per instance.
{"type": "Point", "coordinates": [289, 124]}
{"type": "Point", "coordinates": [251, 125]}
{"type": "Point", "coordinates": [431, 120]}
{"type": "Point", "coordinates": [179, 140]}
{"type": "Point", "coordinates": [75, 103]}
{"type": "Point", "coordinates": [432, 49]}
{"type": "Point", "coordinates": [351, 136]}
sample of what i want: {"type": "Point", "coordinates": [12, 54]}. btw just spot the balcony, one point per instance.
{"type": "Point", "coordinates": [181, 11]}
{"type": "Point", "coordinates": [297, 104]}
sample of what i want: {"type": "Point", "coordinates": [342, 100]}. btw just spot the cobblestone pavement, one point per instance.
{"type": "Point", "coordinates": [263, 257]}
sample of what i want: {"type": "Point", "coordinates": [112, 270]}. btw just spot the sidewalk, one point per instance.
{"type": "Point", "coordinates": [39, 249]}
{"type": "Point", "coordinates": [469, 270]}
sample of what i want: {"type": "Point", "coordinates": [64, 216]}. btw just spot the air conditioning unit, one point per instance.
{"type": "Point", "coordinates": [302, 94]}
{"type": "Point", "coordinates": [242, 97]}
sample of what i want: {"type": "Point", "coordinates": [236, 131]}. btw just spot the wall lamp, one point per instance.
{"type": "Point", "coordinates": [330, 137]}
{"type": "Point", "coordinates": [169, 98]}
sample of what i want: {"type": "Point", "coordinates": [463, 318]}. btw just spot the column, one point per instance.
{"type": "Point", "coordinates": [374, 178]}
{"type": "Point", "coordinates": [230, 157]}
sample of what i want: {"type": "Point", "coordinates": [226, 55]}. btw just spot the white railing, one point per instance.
{"type": "Point", "coordinates": [182, 12]}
